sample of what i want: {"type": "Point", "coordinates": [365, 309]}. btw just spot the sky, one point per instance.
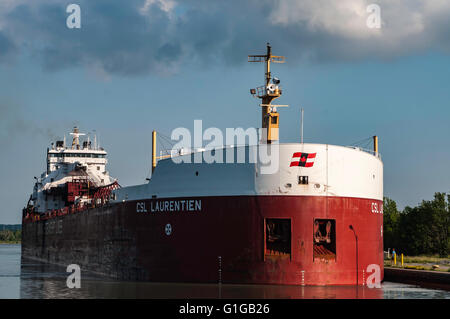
{"type": "Point", "coordinates": [139, 65]}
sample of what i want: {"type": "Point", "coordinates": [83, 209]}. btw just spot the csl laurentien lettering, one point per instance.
{"type": "Point", "coordinates": [189, 205]}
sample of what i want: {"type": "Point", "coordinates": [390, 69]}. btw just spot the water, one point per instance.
{"type": "Point", "coordinates": [38, 280]}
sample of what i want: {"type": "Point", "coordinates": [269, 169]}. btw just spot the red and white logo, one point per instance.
{"type": "Point", "coordinates": [303, 159]}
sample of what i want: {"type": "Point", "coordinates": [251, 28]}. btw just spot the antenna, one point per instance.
{"type": "Point", "coordinates": [267, 58]}
{"type": "Point", "coordinates": [95, 139]}
{"type": "Point", "coordinates": [301, 127]}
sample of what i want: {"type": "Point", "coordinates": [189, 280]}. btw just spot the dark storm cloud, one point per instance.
{"type": "Point", "coordinates": [146, 36]}
{"type": "Point", "coordinates": [113, 37]}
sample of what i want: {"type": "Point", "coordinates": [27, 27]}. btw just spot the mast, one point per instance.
{"type": "Point", "coordinates": [154, 157]}
{"type": "Point", "coordinates": [76, 138]}
{"type": "Point", "coordinates": [268, 93]}
{"type": "Point", "coordinates": [375, 145]}
{"type": "Point", "coordinates": [153, 150]}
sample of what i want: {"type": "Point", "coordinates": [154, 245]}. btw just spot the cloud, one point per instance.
{"type": "Point", "coordinates": [137, 37]}
{"type": "Point", "coordinates": [165, 5]}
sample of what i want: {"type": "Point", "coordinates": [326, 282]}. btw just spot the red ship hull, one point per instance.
{"type": "Point", "coordinates": [223, 240]}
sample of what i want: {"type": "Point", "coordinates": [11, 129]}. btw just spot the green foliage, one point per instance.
{"type": "Point", "coordinates": [391, 216]}
{"type": "Point", "coordinates": [423, 229]}
{"type": "Point", "coordinates": [10, 236]}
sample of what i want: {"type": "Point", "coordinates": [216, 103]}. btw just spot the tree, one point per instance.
{"type": "Point", "coordinates": [440, 218]}
{"type": "Point", "coordinates": [391, 216]}
{"type": "Point", "coordinates": [423, 229]}
{"type": "Point", "coordinates": [10, 236]}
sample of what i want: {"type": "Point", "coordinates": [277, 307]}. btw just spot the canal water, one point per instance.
{"type": "Point", "coordinates": [32, 280]}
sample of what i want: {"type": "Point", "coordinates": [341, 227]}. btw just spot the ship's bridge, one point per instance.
{"type": "Point", "coordinates": [80, 164]}
{"type": "Point", "coordinates": [86, 153]}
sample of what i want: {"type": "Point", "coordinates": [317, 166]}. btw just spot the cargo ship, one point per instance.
{"type": "Point", "coordinates": [317, 219]}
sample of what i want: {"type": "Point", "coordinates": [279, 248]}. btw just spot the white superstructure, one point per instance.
{"type": "Point", "coordinates": [85, 163]}
{"type": "Point", "coordinates": [334, 171]}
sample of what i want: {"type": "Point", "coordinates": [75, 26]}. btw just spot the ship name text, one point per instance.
{"type": "Point", "coordinates": [188, 205]}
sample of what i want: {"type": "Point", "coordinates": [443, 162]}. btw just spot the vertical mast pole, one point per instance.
{"type": "Point", "coordinates": [268, 56]}
{"type": "Point", "coordinates": [153, 150]}
{"type": "Point", "coordinates": [375, 145]}
{"type": "Point", "coordinates": [266, 109]}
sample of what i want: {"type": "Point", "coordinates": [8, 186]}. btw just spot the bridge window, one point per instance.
{"type": "Point", "coordinates": [90, 155]}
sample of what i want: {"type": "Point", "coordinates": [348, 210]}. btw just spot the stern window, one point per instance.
{"type": "Point", "coordinates": [278, 238]}
{"type": "Point", "coordinates": [324, 239]}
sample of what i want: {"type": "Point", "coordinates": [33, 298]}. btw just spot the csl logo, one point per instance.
{"type": "Point", "coordinates": [168, 229]}
{"type": "Point", "coordinates": [377, 209]}
{"type": "Point", "coordinates": [140, 207]}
